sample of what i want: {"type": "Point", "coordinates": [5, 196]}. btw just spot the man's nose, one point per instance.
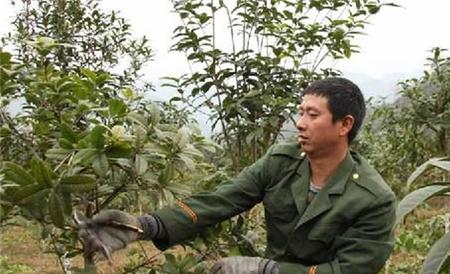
{"type": "Point", "coordinates": [300, 123]}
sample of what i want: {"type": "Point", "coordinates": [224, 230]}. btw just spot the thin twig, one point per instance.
{"type": "Point", "coordinates": [147, 261]}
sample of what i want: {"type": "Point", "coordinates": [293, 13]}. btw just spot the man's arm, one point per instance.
{"type": "Point", "coordinates": [111, 230]}
{"type": "Point", "coordinates": [190, 216]}
{"type": "Point", "coordinates": [363, 248]}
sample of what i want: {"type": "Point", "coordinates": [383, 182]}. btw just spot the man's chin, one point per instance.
{"type": "Point", "coordinates": [305, 147]}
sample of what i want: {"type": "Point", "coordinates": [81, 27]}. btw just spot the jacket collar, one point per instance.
{"type": "Point", "coordinates": [337, 181]}
{"type": "Point", "coordinates": [321, 203]}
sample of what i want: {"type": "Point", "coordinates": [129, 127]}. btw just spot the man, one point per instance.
{"type": "Point", "coordinates": [327, 211]}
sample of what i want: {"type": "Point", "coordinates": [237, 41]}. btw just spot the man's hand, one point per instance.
{"type": "Point", "coordinates": [245, 265]}
{"type": "Point", "coordinates": [108, 231]}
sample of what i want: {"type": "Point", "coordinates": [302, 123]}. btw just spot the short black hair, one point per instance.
{"type": "Point", "coordinates": [344, 98]}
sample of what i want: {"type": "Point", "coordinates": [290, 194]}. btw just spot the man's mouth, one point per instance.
{"type": "Point", "coordinates": [302, 138]}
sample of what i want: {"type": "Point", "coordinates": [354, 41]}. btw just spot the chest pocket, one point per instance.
{"type": "Point", "coordinates": [323, 233]}
{"type": "Point", "coordinates": [280, 206]}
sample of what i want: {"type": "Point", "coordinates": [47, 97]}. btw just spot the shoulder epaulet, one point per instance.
{"type": "Point", "coordinates": [370, 178]}
{"type": "Point", "coordinates": [288, 149]}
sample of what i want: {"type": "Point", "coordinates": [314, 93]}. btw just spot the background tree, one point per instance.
{"type": "Point", "coordinates": [413, 129]}
{"type": "Point", "coordinates": [398, 137]}
{"type": "Point", "coordinates": [251, 85]}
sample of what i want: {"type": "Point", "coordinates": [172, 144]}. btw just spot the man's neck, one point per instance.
{"type": "Point", "coordinates": [323, 166]}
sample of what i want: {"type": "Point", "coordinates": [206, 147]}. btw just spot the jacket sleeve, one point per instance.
{"type": "Point", "coordinates": [363, 248]}
{"type": "Point", "coordinates": [190, 216]}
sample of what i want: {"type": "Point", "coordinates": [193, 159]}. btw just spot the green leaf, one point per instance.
{"type": "Point", "coordinates": [41, 172]}
{"type": "Point", "coordinates": [57, 153]}
{"type": "Point", "coordinates": [66, 199]}
{"type": "Point", "coordinates": [413, 199]}
{"type": "Point", "coordinates": [195, 153]}
{"type": "Point", "coordinates": [117, 107]}
{"type": "Point", "coordinates": [128, 93]}
{"type": "Point", "coordinates": [186, 160]}
{"type": "Point", "coordinates": [437, 256]}
{"type": "Point", "coordinates": [100, 165]}
{"type": "Point", "coordinates": [37, 208]}
{"type": "Point", "coordinates": [180, 189]}
{"type": "Point", "coordinates": [97, 137]}
{"type": "Point", "coordinates": [89, 74]}
{"type": "Point", "coordinates": [137, 118]}
{"type": "Point", "coordinates": [37, 197]}
{"type": "Point", "coordinates": [167, 174]}
{"type": "Point", "coordinates": [182, 137]}
{"type": "Point", "coordinates": [119, 150]}
{"type": "Point", "coordinates": [68, 134]}
{"type": "Point", "coordinates": [155, 148]}
{"type": "Point", "coordinates": [442, 164]}
{"type": "Point", "coordinates": [421, 169]}
{"type": "Point", "coordinates": [18, 174]}
{"type": "Point", "coordinates": [141, 164]}
{"type": "Point", "coordinates": [65, 144]}
{"type": "Point", "coordinates": [23, 194]}
{"type": "Point", "coordinates": [85, 156]}
{"type": "Point", "coordinates": [206, 86]}
{"type": "Point", "coordinates": [78, 183]}
{"type": "Point", "coordinates": [155, 113]}
{"type": "Point", "coordinates": [373, 8]}
{"type": "Point", "coordinates": [56, 209]}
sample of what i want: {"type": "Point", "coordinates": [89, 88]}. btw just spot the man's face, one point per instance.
{"type": "Point", "coordinates": [317, 132]}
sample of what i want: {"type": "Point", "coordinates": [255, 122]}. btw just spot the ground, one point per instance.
{"type": "Point", "coordinates": [21, 251]}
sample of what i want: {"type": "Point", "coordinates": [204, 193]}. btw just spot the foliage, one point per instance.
{"type": "Point", "coordinates": [414, 240]}
{"type": "Point", "coordinates": [180, 265]}
{"type": "Point", "coordinates": [86, 151]}
{"type": "Point", "coordinates": [10, 268]}
{"type": "Point", "coordinates": [250, 84]}
{"type": "Point", "coordinates": [419, 234]}
{"type": "Point", "coordinates": [437, 258]}
{"type": "Point", "coordinates": [86, 138]}
{"type": "Point", "coordinates": [74, 34]}
{"type": "Point", "coordinates": [414, 128]}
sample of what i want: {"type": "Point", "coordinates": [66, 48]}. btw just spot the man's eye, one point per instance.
{"type": "Point", "coordinates": [313, 114]}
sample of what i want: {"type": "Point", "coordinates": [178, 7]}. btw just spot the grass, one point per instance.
{"type": "Point", "coordinates": [22, 251]}
{"type": "Point", "coordinates": [20, 247]}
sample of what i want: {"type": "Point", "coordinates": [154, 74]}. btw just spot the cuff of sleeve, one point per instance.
{"type": "Point", "coordinates": [330, 267]}
{"type": "Point", "coordinates": [152, 227]}
{"type": "Point", "coordinates": [268, 266]}
{"type": "Point", "coordinates": [178, 227]}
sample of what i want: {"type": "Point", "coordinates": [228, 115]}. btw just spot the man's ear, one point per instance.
{"type": "Point", "coordinates": [346, 125]}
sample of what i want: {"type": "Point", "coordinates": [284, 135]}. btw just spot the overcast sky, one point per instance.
{"type": "Point", "coordinates": [394, 48]}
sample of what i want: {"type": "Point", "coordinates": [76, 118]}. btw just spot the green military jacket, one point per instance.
{"type": "Point", "coordinates": [346, 229]}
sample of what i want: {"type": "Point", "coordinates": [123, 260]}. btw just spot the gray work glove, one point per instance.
{"type": "Point", "coordinates": [245, 265]}
{"type": "Point", "coordinates": [108, 231]}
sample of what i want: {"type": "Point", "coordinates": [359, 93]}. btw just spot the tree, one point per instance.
{"type": "Point", "coordinates": [414, 128]}
{"type": "Point", "coordinates": [63, 37]}
{"type": "Point", "coordinates": [92, 38]}
{"type": "Point", "coordinates": [86, 139]}
{"type": "Point", "coordinates": [251, 85]}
